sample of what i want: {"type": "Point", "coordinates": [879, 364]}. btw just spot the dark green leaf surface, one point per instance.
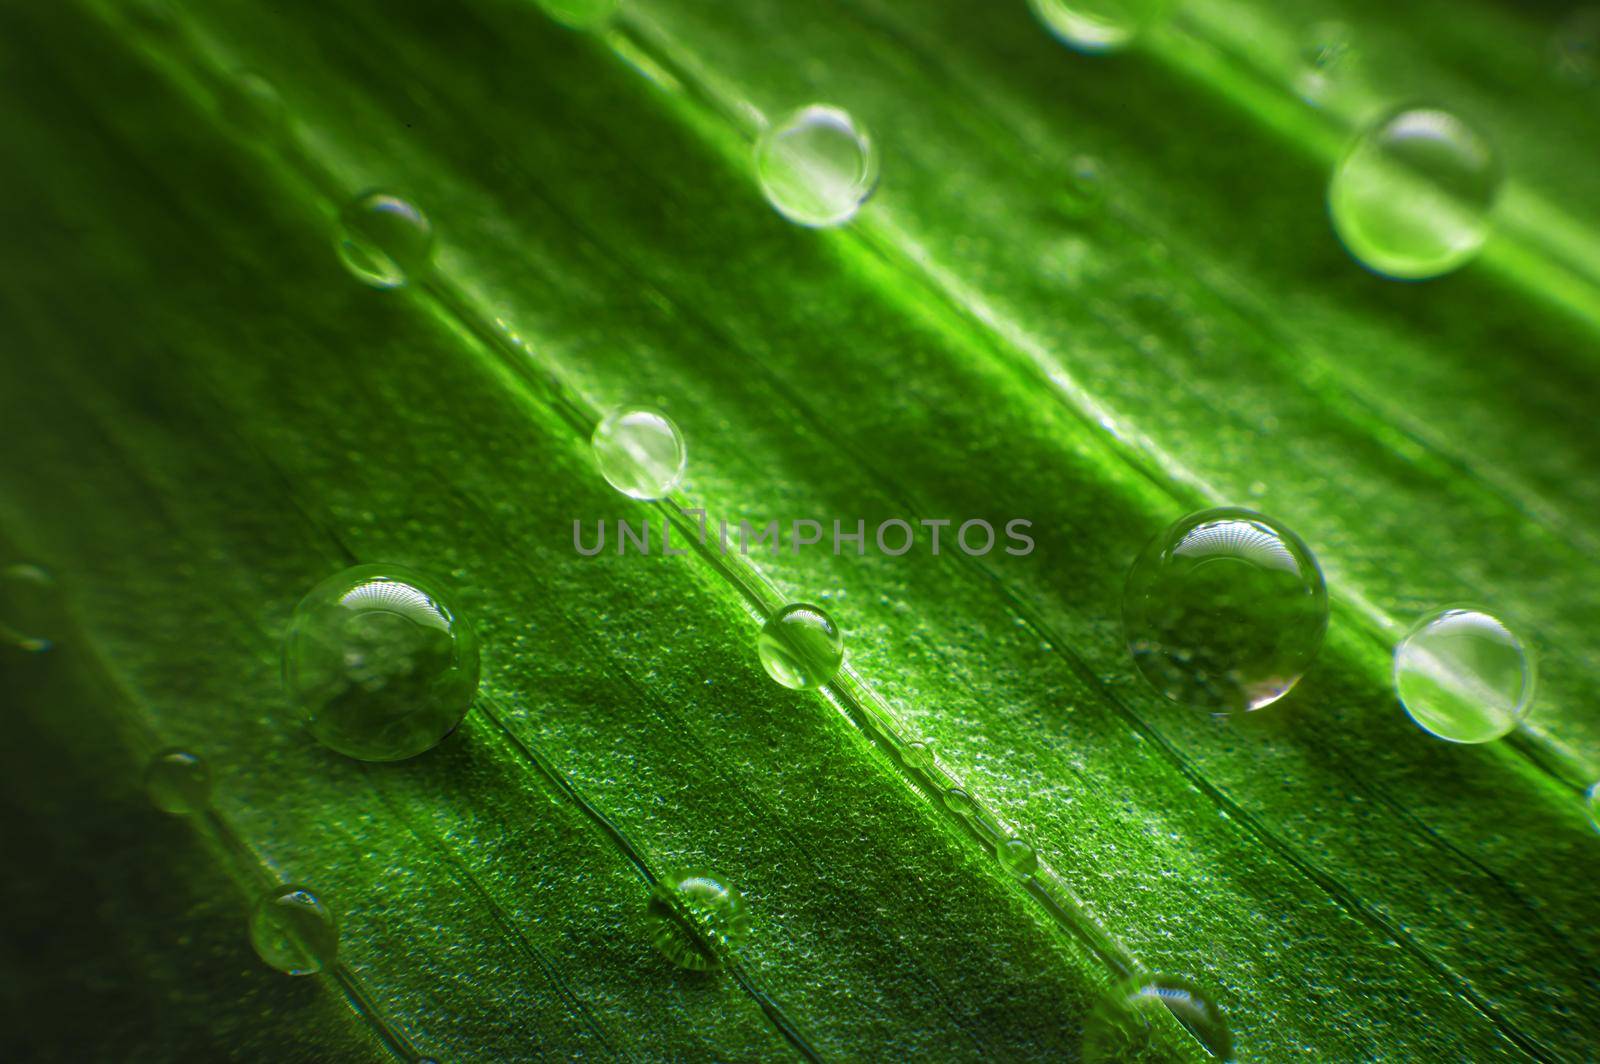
{"type": "Point", "coordinates": [209, 416]}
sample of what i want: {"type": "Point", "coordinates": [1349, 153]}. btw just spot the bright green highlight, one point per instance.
{"type": "Point", "coordinates": [1124, 1027]}
{"type": "Point", "coordinates": [1225, 610]}
{"type": "Point", "coordinates": [1099, 25]}
{"type": "Point", "coordinates": [178, 782]}
{"type": "Point", "coordinates": [697, 920]}
{"type": "Point", "coordinates": [640, 452]}
{"type": "Point", "coordinates": [384, 241]}
{"type": "Point", "coordinates": [1464, 676]}
{"type": "Point", "coordinates": [293, 931]}
{"type": "Point", "coordinates": [1412, 197]}
{"type": "Point", "coordinates": [379, 664]}
{"type": "Point", "coordinates": [801, 647]}
{"type": "Point", "coordinates": [817, 166]}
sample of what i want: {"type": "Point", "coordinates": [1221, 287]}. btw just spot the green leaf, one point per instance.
{"type": "Point", "coordinates": [207, 416]}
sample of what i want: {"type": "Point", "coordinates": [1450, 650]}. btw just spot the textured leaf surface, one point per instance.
{"type": "Point", "coordinates": [208, 416]}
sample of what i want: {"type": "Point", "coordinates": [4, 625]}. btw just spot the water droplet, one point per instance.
{"type": "Point", "coordinates": [817, 166]}
{"type": "Point", "coordinates": [1413, 196]}
{"type": "Point", "coordinates": [697, 920]}
{"type": "Point", "coordinates": [1593, 804]}
{"type": "Point", "coordinates": [919, 754]}
{"type": "Point", "coordinates": [379, 664]}
{"type": "Point", "coordinates": [801, 647]}
{"type": "Point", "coordinates": [178, 782]}
{"type": "Point", "coordinates": [1576, 46]}
{"type": "Point", "coordinates": [1017, 857]}
{"type": "Point", "coordinates": [293, 931]}
{"type": "Point", "coordinates": [384, 241]}
{"type": "Point", "coordinates": [1327, 54]}
{"type": "Point", "coordinates": [1225, 610]}
{"type": "Point", "coordinates": [1098, 25]}
{"type": "Point", "coordinates": [640, 452]}
{"type": "Point", "coordinates": [1464, 676]}
{"type": "Point", "coordinates": [959, 801]}
{"type": "Point", "coordinates": [580, 14]}
{"type": "Point", "coordinates": [28, 593]}
{"type": "Point", "coordinates": [1124, 1027]}
{"type": "Point", "coordinates": [252, 106]}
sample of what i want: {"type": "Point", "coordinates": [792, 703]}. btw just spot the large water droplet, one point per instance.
{"type": "Point", "coordinates": [697, 920]}
{"type": "Point", "coordinates": [640, 452]}
{"type": "Point", "coordinates": [817, 166]}
{"type": "Point", "coordinates": [800, 646]}
{"type": "Point", "coordinates": [1464, 676]}
{"type": "Point", "coordinates": [178, 782]}
{"type": "Point", "coordinates": [1124, 1027]}
{"type": "Point", "coordinates": [293, 931]}
{"type": "Point", "coordinates": [1413, 196]}
{"type": "Point", "coordinates": [1017, 857]}
{"type": "Point", "coordinates": [27, 605]}
{"type": "Point", "coordinates": [379, 664]}
{"type": "Point", "coordinates": [1225, 610]}
{"type": "Point", "coordinates": [384, 241]}
{"type": "Point", "coordinates": [1099, 25]}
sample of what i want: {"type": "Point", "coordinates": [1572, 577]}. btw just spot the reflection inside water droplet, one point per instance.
{"type": "Point", "coordinates": [696, 920]}
{"type": "Point", "coordinates": [1413, 196]}
{"type": "Point", "coordinates": [640, 452]}
{"type": "Point", "coordinates": [1464, 676]}
{"type": "Point", "coordinates": [817, 166]}
{"type": "Point", "coordinates": [1225, 610]}
{"type": "Point", "coordinates": [800, 646]}
{"type": "Point", "coordinates": [379, 664]}
{"type": "Point", "coordinates": [1017, 857]}
{"type": "Point", "coordinates": [293, 931]}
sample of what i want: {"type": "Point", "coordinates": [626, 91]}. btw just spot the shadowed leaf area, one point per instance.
{"type": "Point", "coordinates": [1094, 293]}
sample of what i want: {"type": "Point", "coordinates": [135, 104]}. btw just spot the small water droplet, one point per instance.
{"type": "Point", "coordinates": [1017, 857]}
{"type": "Point", "coordinates": [919, 754]}
{"type": "Point", "coordinates": [1086, 184]}
{"type": "Point", "coordinates": [580, 14]}
{"type": "Point", "coordinates": [1224, 610]}
{"type": "Point", "coordinates": [959, 801]}
{"type": "Point", "coordinates": [28, 593]}
{"type": "Point", "coordinates": [178, 782]}
{"type": "Point", "coordinates": [697, 920]}
{"type": "Point", "coordinates": [640, 452]}
{"type": "Point", "coordinates": [1327, 55]}
{"type": "Point", "coordinates": [1592, 801]}
{"type": "Point", "coordinates": [293, 931]}
{"type": "Point", "coordinates": [801, 647]}
{"type": "Point", "coordinates": [1123, 1027]}
{"type": "Point", "coordinates": [1464, 676]}
{"type": "Point", "coordinates": [1098, 25]}
{"type": "Point", "coordinates": [253, 107]}
{"type": "Point", "coordinates": [1414, 195]}
{"type": "Point", "coordinates": [817, 166]}
{"type": "Point", "coordinates": [379, 663]}
{"type": "Point", "coordinates": [384, 241]}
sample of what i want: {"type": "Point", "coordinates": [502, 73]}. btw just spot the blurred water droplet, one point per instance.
{"type": "Point", "coordinates": [28, 593]}
{"type": "Point", "coordinates": [293, 931]}
{"type": "Point", "coordinates": [1123, 1027]}
{"type": "Point", "coordinates": [640, 452]}
{"type": "Point", "coordinates": [1576, 46]}
{"type": "Point", "coordinates": [1224, 610]}
{"type": "Point", "coordinates": [1327, 58]}
{"type": "Point", "coordinates": [1464, 676]}
{"type": "Point", "coordinates": [379, 664]}
{"type": "Point", "coordinates": [1099, 25]}
{"type": "Point", "coordinates": [697, 920]}
{"type": "Point", "coordinates": [580, 14]}
{"type": "Point", "coordinates": [800, 646]}
{"type": "Point", "coordinates": [253, 107]}
{"type": "Point", "coordinates": [817, 166]}
{"type": "Point", "coordinates": [1413, 197]}
{"type": "Point", "coordinates": [178, 782]}
{"type": "Point", "coordinates": [1592, 803]}
{"type": "Point", "coordinates": [384, 241]}
{"type": "Point", "coordinates": [1017, 857]}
